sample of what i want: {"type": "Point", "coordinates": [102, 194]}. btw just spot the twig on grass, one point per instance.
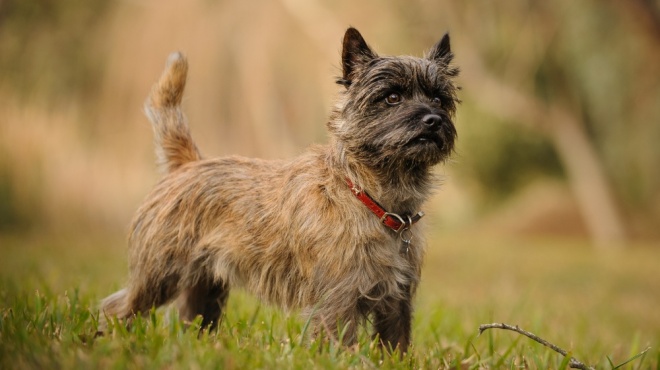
{"type": "Point", "coordinates": [572, 363]}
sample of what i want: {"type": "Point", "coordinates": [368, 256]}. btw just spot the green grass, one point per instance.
{"type": "Point", "coordinates": [603, 309]}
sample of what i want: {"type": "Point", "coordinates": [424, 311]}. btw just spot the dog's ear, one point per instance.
{"type": "Point", "coordinates": [441, 52]}
{"type": "Point", "coordinates": [355, 53]}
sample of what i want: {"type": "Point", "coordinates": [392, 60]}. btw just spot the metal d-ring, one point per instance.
{"type": "Point", "coordinates": [406, 235]}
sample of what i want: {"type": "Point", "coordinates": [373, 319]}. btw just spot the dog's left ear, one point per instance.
{"type": "Point", "coordinates": [441, 52]}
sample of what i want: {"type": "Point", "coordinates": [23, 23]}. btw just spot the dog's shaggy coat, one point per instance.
{"type": "Point", "coordinates": [292, 232]}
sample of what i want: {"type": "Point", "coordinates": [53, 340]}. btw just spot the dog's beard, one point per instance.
{"type": "Point", "coordinates": [406, 141]}
{"type": "Point", "coordinates": [430, 146]}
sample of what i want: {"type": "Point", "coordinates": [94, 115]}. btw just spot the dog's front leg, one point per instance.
{"type": "Point", "coordinates": [392, 322]}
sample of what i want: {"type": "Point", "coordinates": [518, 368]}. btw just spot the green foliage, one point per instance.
{"type": "Point", "coordinates": [501, 159]}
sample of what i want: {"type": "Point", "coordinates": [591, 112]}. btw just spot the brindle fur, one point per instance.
{"type": "Point", "coordinates": [291, 232]}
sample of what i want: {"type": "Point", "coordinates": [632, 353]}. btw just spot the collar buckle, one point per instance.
{"type": "Point", "coordinates": [395, 222]}
{"type": "Point", "coordinates": [398, 219]}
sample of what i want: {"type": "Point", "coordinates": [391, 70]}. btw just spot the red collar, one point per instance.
{"type": "Point", "coordinates": [392, 220]}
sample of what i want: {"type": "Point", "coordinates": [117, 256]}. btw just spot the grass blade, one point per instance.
{"type": "Point", "coordinates": [635, 357]}
{"type": "Point", "coordinates": [609, 360]}
{"type": "Point", "coordinates": [565, 361]}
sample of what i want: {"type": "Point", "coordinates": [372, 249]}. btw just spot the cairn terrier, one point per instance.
{"type": "Point", "coordinates": [332, 232]}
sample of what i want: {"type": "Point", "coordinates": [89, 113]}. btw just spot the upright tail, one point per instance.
{"type": "Point", "coordinates": [174, 144]}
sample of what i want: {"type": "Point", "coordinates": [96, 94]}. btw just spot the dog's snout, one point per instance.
{"type": "Point", "coordinates": [432, 121]}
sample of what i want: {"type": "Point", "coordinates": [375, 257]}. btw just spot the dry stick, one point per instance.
{"type": "Point", "coordinates": [573, 363]}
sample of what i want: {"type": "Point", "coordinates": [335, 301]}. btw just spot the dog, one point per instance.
{"type": "Point", "coordinates": [332, 233]}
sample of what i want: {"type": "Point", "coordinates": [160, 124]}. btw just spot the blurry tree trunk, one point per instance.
{"type": "Point", "coordinates": [587, 180]}
{"type": "Point", "coordinates": [586, 177]}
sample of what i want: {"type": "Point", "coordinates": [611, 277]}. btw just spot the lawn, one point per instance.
{"type": "Point", "coordinates": [602, 308]}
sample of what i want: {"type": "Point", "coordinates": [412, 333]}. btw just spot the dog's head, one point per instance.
{"type": "Point", "coordinates": [396, 112]}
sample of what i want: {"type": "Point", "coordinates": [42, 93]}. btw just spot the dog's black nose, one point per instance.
{"type": "Point", "coordinates": [432, 121]}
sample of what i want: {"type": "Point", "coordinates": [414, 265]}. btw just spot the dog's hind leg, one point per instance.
{"type": "Point", "coordinates": [139, 297]}
{"type": "Point", "coordinates": [207, 297]}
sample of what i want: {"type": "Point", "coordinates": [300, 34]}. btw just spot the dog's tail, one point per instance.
{"type": "Point", "coordinates": [174, 144]}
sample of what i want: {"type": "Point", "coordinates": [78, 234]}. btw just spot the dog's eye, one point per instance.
{"type": "Point", "coordinates": [436, 100]}
{"type": "Point", "coordinates": [393, 99]}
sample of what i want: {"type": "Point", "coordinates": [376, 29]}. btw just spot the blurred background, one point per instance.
{"type": "Point", "coordinates": [559, 128]}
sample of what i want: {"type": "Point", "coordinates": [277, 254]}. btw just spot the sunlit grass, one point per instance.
{"type": "Point", "coordinates": [601, 308]}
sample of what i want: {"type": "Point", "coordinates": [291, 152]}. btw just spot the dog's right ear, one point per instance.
{"type": "Point", "coordinates": [355, 53]}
